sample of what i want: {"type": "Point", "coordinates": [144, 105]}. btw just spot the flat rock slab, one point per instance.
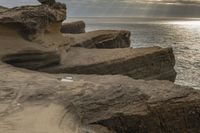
{"type": "Point", "coordinates": [144, 63]}
{"type": "Point", "coordinates": [36, 102]}
{"type": "Point", "coordinates": [141, 63]}
{"type": "Point", "coordinates": [73, 27]}
{"type": "Point", "coordinates": [101, 39]}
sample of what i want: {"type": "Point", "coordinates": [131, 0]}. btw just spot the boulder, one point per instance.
{"type": "Point", "coordinates": [40, 23]}
{"type": "Point", "coordinates": [39, 102]}
{"type": "Point", "coordinates": [73, 27]}
{"type": "Point", "coordinates": [101, 39]}
{"type": "Point", "coordinates": [140, 63]}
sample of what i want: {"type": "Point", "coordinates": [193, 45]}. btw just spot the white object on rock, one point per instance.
{"type": "Point", "coordinates": [67, 79]}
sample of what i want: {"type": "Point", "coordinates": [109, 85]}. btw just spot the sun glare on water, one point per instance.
{"type": "Point", "coordinates": [186, 22]}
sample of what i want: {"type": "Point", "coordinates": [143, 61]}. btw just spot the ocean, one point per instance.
{"type": "Point", "coordinates": [183, 35]}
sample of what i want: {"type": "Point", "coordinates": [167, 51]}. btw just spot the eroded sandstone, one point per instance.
{"type": "Point", "coordinates": [102, 103]}
{"type": "Point", "coordinates": [37, 102]}
{"type": "Point", "coordinates": [40, 23]}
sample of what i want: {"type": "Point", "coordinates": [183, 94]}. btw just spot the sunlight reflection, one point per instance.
{"type": "Point", "coordinates": [194, 23]}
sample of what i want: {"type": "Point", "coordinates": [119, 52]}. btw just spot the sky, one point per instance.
{"type": "Point", "coordinates": [124, 8]}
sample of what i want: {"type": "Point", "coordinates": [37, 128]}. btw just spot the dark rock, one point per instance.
{"type": "Point", "coordinates": [32, 59]}
{"type": "Point", "coordinates": [48, 2]}
{"type": "Point", "coordinates": [73, 27]}
{"type": "Point", "coordinates": [101, 39]}
{"type": "Point", "coordinates": [59, 5]}
{"type": "Point", "coordinates": [141, 63]}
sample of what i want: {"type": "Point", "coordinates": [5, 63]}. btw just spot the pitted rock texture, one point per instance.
{"type": "Point", "coordinates": [32, 22]}
{"type": "Point", "coordinates": [40, 24]}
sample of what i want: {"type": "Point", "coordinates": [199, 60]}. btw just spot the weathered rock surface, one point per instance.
{"type": "Point", "coordinates": [37, 23]}
{"type": "Point", "coordinates": [141, 63]}
{"type": "Point", "coordinates": [101, 39]}
{"type": "Point", "coordinates": [73, 27]}
{"type": "Point", "coordinates": [38, 102]}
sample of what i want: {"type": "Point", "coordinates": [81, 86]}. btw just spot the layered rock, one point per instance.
{"type": "Point", "coordinates": [101, 39]}
{"type": "Point", "coordinates": [141, 63]}
{"type": "Point", "coordinates": [73, 27]}
{"type": "Point", "coordinates": [114, 104]}
{"type": "Point", "coordinates": [32, 59]}
{"type": "Point", "coordinates": [150, 63]}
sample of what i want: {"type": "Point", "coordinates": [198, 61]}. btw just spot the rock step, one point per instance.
{"type": "Point", "coordinates": [73, 27]}
{"type": "Point", "coordinates": [101, 39]}
{"type": "Point", "coordinates": [141, 63]}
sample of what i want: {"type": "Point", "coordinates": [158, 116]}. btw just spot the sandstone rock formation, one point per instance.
{"type": "Point", "coordinates": [146, 63]}
{"type": "Point", "coordinates": [73, 27]}
{"type": "Point", "coordinates": [141, 63]}
{"type": "Point", "coordinates": [37, 102]}
{"type": "Point", "coordinates": [101, 39]}
{"type": "Point", "coordinates": [37, 23]}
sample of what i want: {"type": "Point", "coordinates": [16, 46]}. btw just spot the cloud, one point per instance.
{"type": "Point", "coordinates": [138, 1]}
{"type": "Point", "coordinates": [174, 2]}
{"type": "Point", "coordinates": [135, 8]}
{"type": "Point", "coordinates": [124, 8]}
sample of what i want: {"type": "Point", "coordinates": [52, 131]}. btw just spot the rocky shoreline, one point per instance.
{"type": "Point", "coordinates": [77, 82]}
